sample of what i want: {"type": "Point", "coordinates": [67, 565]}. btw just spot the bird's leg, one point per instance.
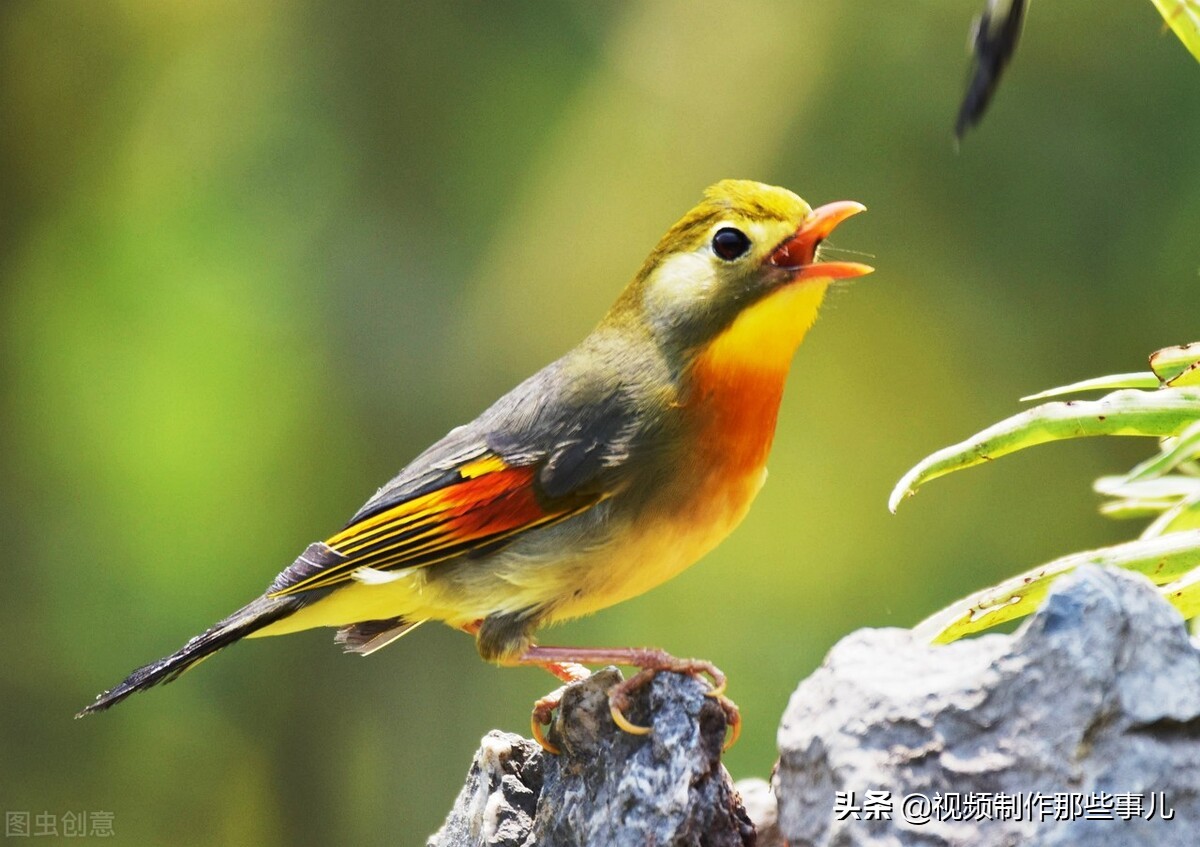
{"type": "Point", "coordinates": [544, 707]}
{"type": "Point", "coordinates": [651, 661]}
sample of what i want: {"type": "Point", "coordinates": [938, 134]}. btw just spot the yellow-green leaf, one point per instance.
{"type": "Point", "coordinates": [1174, 452]}
{"type": "Point", "coordinates": [1173, 488]}
{"type": "Point", "coordinates": [1183, 17]}
{"type": "Point", "coordinates": [1182, 516]}
{"type": "Point", "coordinates": [1141, 379]}
{"type": "Point", "coordinates": [1162, 559]}
{"type": "Point", "coordinates": [1126, 412]}
{"type": "Point", "coordinates": [1170, 362]}
{"type": "Point", "coordinates": [1132, 509]}
{"type": "Point", "coordinates": [1184, 594]}
{"type": "Point", "coordinates": [1188, 376]}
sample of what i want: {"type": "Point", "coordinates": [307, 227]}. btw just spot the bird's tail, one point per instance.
{"type": "Point", "coordinates": [253, 616]}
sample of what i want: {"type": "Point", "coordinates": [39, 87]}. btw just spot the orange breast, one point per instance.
{"type": "Point", "coordinates": [736, 383]}
{"type": "Point", "coordinates": [736, 412]}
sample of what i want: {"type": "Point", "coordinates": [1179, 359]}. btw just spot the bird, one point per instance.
{"type": "Point", "coordinates": [601, 476]}
{"type": "Point", "coordinates": [994, 36]}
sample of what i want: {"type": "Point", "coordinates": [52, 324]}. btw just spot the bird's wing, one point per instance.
{"type": "Point", "coordinates": [530, 461]}
{"type": "Point", "coordinates": [487, 502]}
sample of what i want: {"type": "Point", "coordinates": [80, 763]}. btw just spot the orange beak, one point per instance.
{"type": "Point", "coordinates": [799, 252]}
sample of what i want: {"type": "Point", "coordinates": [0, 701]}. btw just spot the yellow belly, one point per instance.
{"type": "Point", "coordinates": [660, 549]}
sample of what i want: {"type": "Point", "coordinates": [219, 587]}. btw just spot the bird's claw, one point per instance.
{"type": "Point", "coordinates": [543, 712]}
{"type": "Point", "coordinates": [618, 697]}
{"type": "Point", "coordinates": [624, 723]}
{"type": "Point", "coordinates": [733, 719]}
{"type": "Point", "coordinates": [618, 701]}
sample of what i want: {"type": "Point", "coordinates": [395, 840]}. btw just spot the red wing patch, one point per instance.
{"type": "Point", "coordinates": [490, 502]}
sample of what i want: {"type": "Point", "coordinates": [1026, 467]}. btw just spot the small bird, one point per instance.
{"type": "Point", "coordinates": [994, 36]}
{"type": "Point", "coordinates": [601, 476]}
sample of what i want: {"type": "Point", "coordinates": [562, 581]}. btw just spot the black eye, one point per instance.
{"type": "Point", "coordinates": [730, 243]}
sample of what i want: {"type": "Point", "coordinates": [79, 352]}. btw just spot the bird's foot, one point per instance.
{"type": "Point", "coordinates": [543, 713]}
{"type": "Point", "coordinates": [562, 662]}
{"type": "Point", "coordinates": [543, 708]}
{"type": "Point", "coordinates": [618, 696]}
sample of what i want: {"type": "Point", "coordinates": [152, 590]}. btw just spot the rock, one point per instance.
{"type": "Point", "coordinates": [607, 787]}
{"type": "Point", "coordinates": [758, 798]}
{"type": "Point", "coordinates": [499, 799]}
{"type": "Point", "coordinates": [1090, 709]}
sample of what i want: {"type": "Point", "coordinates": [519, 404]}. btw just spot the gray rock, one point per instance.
{"type": "Point", "coordinates": [607, 787]}
{"type": "Point", "coordinates": [758, 798]}
{"type": "Point", "coordinates": [499, 799]}
{"type": "Point", "coordinates": [1094, 704]}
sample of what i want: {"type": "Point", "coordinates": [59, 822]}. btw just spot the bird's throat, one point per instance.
{"type": "Point", "coordinates": [736, 383]}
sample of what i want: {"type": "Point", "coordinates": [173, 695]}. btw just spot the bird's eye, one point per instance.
{"type": "Point", "coordinates": [730, 243]}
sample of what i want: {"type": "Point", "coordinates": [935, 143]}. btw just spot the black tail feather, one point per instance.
{"type": "Point", "coordinates": [254, 616]}
{"type": "Point", "coordinates": [365, 637]}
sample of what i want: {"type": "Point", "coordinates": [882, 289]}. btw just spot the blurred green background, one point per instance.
{"type": "Point", "coordinates": [255, 257]}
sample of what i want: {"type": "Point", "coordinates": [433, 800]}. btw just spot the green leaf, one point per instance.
{"type": "Point", "coordinates": [1162, 559]}
{"type": "Point", "coordinates": [1170, 488]}
{"type": "Point", "coordinates": [1182, 16]}
{"type": "Point", "coordinates": [1174, 452]}
{"type": "Point", "coordinates": [1184, 594]}
{"type": "Point", "coordinates": [1188, 376]}
{"type": "Point", "coordinates": [1126, 412]}
{"type": "Point", "coordinates": [1184, 515]}
{"type": "Point", "coordinates": [1142, 379]}
{"type": "Point", "coordinates": [1170, 362]}
{"type": "Point", "coordinates": [1123, 510]}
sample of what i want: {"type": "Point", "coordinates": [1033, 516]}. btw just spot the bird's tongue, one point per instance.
{"type": "Point", "coordinates": [798, 252]}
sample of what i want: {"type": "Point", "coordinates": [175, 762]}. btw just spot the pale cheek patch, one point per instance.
{"type": "Point", "coordinates": [683, 278]}
{"type": "Point", "coordinates": [679, 284]}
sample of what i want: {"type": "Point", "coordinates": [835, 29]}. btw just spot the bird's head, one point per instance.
{"type": "Point", "coordinates": [745, 244]}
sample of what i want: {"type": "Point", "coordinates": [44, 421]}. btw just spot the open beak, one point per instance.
{"type": "Point", "coordinates": [799, 252]}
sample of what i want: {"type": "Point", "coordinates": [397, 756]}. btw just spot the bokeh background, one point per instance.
{"type": "Point", "coordinates": [254, 257]}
